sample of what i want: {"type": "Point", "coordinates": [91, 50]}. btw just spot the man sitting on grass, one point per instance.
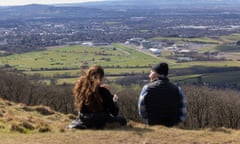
{"type": "Point", "coordinates": [160, 101]}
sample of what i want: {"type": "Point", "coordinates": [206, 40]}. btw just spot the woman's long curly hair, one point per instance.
{"type": "Point", "coordinates": [86, 90]}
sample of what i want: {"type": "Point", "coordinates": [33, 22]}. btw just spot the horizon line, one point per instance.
{"type": "Point", "coordinates": [47, 3]}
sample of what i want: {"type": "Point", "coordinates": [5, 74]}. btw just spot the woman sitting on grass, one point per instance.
{"type": "Point", "coordinates": [95, 104]}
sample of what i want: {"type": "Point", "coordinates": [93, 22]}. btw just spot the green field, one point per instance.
{"type": "Point", "coordinates": [230, 38]}
{"type": "Point", "coordinates": [228, 77]}
{"type": "Point", "coordinates": [117, 60]}
{"type": "Point", "coordinates": [108, 71]}
{"type": "Point", "coordinates": [76, 56]}
{"type": "Point", "coordinates": [200, 40]}
{"type": "Point", "coordinates": [232, 77]}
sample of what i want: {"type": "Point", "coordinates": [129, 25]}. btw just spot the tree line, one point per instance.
{"type": "Point", "coordinates": [207, 107]}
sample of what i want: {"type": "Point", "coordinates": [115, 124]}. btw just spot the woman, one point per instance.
{"type": "Point", "coordinates": [95, 104]}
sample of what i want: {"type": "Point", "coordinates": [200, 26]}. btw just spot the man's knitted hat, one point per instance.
{"type": "Point", "coordinates": [161, 68]}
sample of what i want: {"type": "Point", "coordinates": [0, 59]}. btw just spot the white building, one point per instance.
{"type": "Point", "coordinates": [155, 50]}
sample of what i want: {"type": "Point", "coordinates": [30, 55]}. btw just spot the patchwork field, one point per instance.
{"type": "Point", "coordinates": [64, 62]}
{"type": "Point", "coordinates": [117, 59]}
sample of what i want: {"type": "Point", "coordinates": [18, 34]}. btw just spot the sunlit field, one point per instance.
{"type": "Point", "coordinates": [117, 59]}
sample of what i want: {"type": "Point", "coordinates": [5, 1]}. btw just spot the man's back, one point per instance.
{"type": "Point", "coordinates": [163, 103]}
{"type": "Point", "coordinates": [160, 101]}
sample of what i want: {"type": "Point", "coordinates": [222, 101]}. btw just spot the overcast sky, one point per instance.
{"type": "Point", "coordinates": [24, 2]}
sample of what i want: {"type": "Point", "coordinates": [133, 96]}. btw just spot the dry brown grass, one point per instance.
{"type": "Point", "coordinates": [21, 118]}
{"type": "Point", "coordinates": [40, 125]}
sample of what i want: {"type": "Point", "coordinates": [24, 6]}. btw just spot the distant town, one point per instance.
{"type": "Point", "coordinates": [26, 31]}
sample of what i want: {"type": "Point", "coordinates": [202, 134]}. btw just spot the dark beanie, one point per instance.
{"type": "Point", "coordinates": [161, 68]}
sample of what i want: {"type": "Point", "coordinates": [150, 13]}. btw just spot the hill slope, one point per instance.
{"type": "Point", "coordinates": [44, 126]}
{"type": "Point", "coordinates": [25, 119]}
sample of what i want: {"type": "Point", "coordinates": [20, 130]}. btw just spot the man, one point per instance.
{"type": "Point", "coordinates": [161, 102]}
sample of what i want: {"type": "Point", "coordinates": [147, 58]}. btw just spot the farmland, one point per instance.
{"type": "Point", "coordinates": [73, 57]}
{"type": "Point", "coordinates": [117, 59]}
{"type": "Point", "coordinates": [66, 62]}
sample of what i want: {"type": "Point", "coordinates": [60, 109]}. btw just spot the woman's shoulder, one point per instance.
{"type": "Point", "coordinates": [104, 90]}
{"type": "Point", "coordinates": [105, 93]}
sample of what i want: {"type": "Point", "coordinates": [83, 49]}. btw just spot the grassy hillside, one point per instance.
{"type": "Point", "coordinates": [24, 119]}
{"type": "Point", "coordinates": [40, 125]}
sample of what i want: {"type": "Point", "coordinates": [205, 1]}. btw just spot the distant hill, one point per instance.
{"type": "Point", "coordinates": [161, 3]}
{"type": "Point", "coordinates": [36, 11]}
{"type": "Point", "coordinates": [106, 8]}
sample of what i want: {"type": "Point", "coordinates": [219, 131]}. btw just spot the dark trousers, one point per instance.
{"type": "Point", "coordinates": [96, 120]}
{"type": "Point", "coordinates": [116, 119]}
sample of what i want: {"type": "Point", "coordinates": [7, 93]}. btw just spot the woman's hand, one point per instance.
{"type": "Point", "coordinates": [115, 98]}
